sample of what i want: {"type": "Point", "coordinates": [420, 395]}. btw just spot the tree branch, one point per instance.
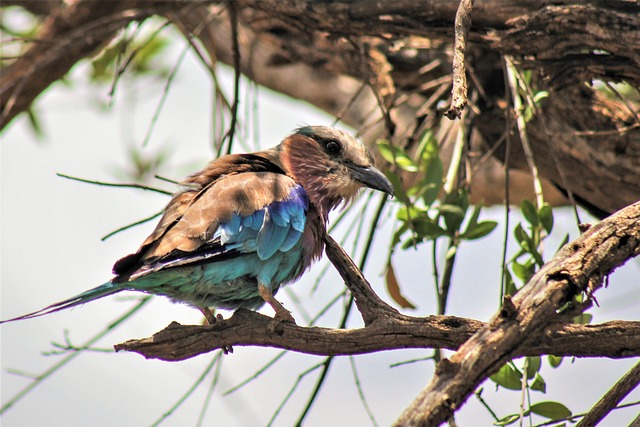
{"type": "Point", "coordinates": [618, 339]}
{"type": "Point", "coordinates": [580, 266]}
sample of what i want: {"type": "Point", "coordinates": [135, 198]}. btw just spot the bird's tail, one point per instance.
{"type": "Point", "coordinates": [90, 295]}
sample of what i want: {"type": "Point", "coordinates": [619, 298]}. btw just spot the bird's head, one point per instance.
{"type": "Point", "coordinates": [331, 165]}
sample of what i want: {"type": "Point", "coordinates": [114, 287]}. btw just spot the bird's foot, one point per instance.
{"type": "Point", "coordinates": [284, 315]}
{"type": "Point", "coordinates": [212, 319]}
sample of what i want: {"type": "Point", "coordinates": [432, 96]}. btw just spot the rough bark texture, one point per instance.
{"type": "Point", "coordinates": [618, 339]}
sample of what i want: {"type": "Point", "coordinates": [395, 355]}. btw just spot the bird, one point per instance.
{"type": "Point", "coordinates": [245, 225]}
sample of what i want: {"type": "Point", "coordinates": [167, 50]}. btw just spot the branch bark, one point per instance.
{"type": "Point", "coordinates": [580, 266]}
{"type": "Point", "coordinates": [618, 339]}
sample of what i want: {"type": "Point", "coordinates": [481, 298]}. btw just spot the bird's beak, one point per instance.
{"type": "Point", "coordinates": [370, 177]}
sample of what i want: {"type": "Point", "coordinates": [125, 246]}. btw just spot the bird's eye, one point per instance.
{"type": "Point", "coordinates": [333, 148]}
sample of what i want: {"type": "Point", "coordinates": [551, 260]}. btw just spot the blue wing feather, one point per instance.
{"type": "Point", "coordinates": [276, 227]}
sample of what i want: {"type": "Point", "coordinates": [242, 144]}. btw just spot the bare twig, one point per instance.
{"type": "Point", "coordinates": [233, 17]}
{"type": "Point", "coordinates": [112, 184]}
{"type": "Point", "coordinates": [53, 369]}
{"type": "Point", "coordinates": [459, 90]}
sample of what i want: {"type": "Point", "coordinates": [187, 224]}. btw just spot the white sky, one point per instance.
{"type": "Point", "coordinates": [51, 250]}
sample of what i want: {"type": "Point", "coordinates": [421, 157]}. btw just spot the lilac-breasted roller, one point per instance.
{"type": "Point", "coordinates": [245, 225]}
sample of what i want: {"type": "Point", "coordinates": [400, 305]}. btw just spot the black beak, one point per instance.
{"type": "Point", "coordinates": [370, 177]}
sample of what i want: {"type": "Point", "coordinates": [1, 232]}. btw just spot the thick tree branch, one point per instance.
{"type": "Point", "coordinates": [580, 266]}
{"type": "Point", "coordinates": [618, 339]}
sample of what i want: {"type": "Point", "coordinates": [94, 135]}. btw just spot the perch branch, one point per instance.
{"type": "Point", "coordinates": [618, 339]}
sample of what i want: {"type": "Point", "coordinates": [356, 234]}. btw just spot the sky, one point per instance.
{"type": "Point", "coordinates": [51, 249]}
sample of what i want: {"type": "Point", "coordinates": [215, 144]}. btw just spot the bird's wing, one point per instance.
{"type": "Point", "coordinates": [260, 212]}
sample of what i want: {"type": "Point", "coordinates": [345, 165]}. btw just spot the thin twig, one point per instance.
{"type": "Point", "coordinates": [112, 184]}
{"type": "Point", "coordinates": [52, 370]}
{"type": "Point", "coordinates": [207, 399]}
{"type": "Point", "coordinates": [507, 195]}
{"type": "Point", "coordinates": [133, 224]}
{"type": "Point", "coordinates": [290, 393]}
{"type": "Point", "coordinates": [612, 398]}
{"type": "Point", "coordinates": [233, 17]}
{"type": "Point", "coordinates": [165, 93]}
{"type": "Point", "coordinates": [190, 391]}
{"type": "Point", "coordinates": [461, 29]}
{"type": "Point", "coordinates": [256, 375]}
{"type": "Point", "coordinates": [356, 380]}
{"type": "Point", "coordinates": [522, 130]}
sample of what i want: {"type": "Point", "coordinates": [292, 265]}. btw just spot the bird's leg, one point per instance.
{"type": "Point", "coordinates": [282, 314]}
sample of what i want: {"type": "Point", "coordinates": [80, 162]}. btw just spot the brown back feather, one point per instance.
{"type": "Point", "coordinates": [240, 183]}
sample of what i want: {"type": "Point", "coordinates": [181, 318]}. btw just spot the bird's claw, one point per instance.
{"type": "Point", "coordinates": [282, 316]}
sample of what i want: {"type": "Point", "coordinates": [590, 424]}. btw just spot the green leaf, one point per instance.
{"type": "Point", "coordinates": [428, 147]}
{"type": "Point", "coordinates": [523, 271]}
{"type": "Point", "coordinates": [539, 96]}
{"type": "Point", "coordinates": [425, 227]}
{"type": "Point", "coordinates": [454, 209]}
{"type": "Point", "coordinates": [410, 213]}
{"type": "Point", "coordinates": [398, 234]}
{"type": "Point", "coordinates": [533, 366]}
{"type": "Point", "coordinates": [432, 181]}
{"type": "Point", "coordinates": [396, 155]}
{"type": "Point", "coordinates": [545, 214]}
{"type": "Point", "coordinates": [508, 377]}
{"type": "Point", "coordinates": [529, 212]}
{"type": "Point", "coordinates": [551, 410]}
{"type": "Point", "coordinates": [34, 122]}
{"type": "Point", "coordinates": [537, 257]}
{"type": "Point", "coordinates": [510, 286]}
{"type": "Point", "coordinates": [480, 230]}
{"type": "Point", "coordinates": [538, 383]}
{"type": "Point", "coordinates": [523, 238]}
{"type": "Point", "coordinates": [398, 188]}
{"type": "Point", "coordinates": [583, 318]}
{"type": "Point", "coordinates": [474, 217]}
{"type": "Point", "coordinates": [554, 361]}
